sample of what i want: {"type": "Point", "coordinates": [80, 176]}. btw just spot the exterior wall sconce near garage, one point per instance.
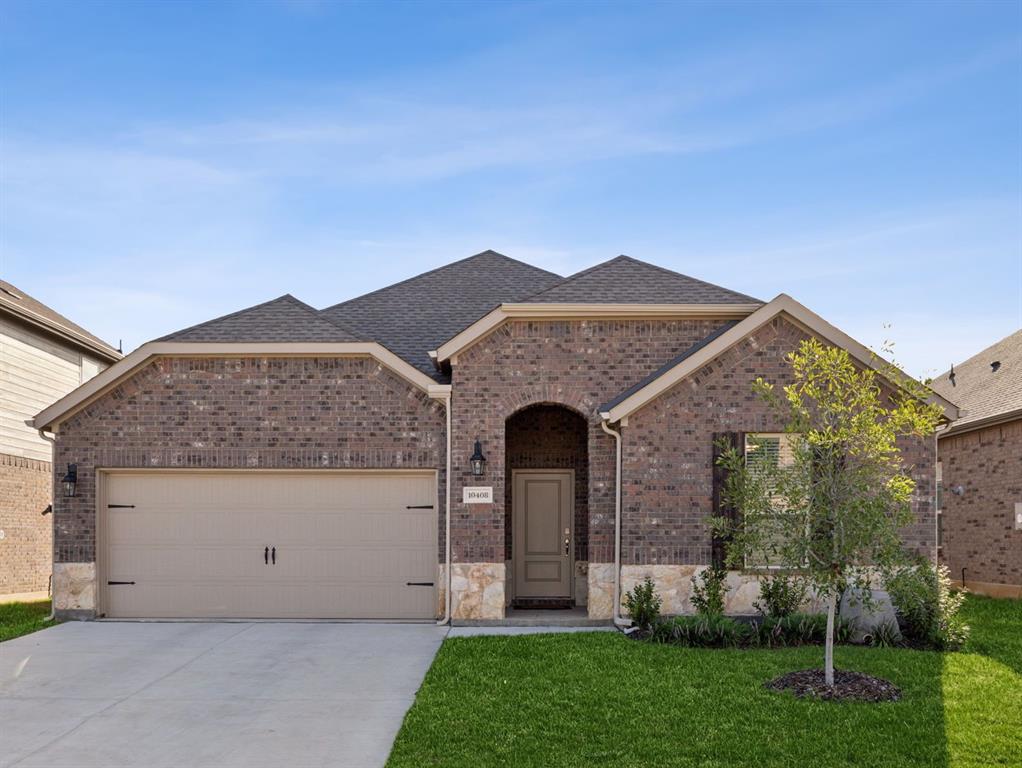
{"type": "Point", "coordinates": [70, 480]}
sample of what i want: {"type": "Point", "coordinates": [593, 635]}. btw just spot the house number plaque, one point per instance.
{"type": "Point", "coordinates": [478, 494]}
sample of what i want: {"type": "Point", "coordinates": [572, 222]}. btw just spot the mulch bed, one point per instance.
{"type": "Point", "coordinates": [848, 686]}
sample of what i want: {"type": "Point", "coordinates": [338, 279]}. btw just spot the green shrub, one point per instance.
{"type": "Point", "coordinates": [705, 631]}
{"type": "Point", "coordinates": [927, 607]}
{"type": "Point", "coordinates": [643, 605]}
{"type": "Point", "coordinates": [885, 635]}
{"type": "Point", "coordinates": [800, 629]}
{"type": "Point", "coordinates": [708, 596]}
{"type": "Point", "coordinates": [780, 595]}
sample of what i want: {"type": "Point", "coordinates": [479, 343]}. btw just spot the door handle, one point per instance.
{"type": "Point", "coordinates": [266, 556]}
{"type": "Point", "coordinates": [273, 555]}
{"type": "Point", "coordinates": [567, 541]}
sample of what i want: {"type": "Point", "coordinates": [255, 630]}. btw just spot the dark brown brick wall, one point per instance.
{"type": "Point", "coordinates": [979, 532]}
{"type": "Point", "coordinates": [579, 364]}
{"type": "Point", "coordinates": [25, 550]}
{"type": "Point", "coordinates": [549, 437]}
{"type": "Point", "coordinates": [668, 445]}
{"type": "Point", "coordinates": [281, 413]}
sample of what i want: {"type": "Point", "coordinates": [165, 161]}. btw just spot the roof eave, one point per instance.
{"type": "Point", "coordinates": [109, 354]}
{"type": "Point", "coordinates": [781, 304]}
{"type": "Point", "coordinates": [581, 311]}
{"type": "Point", "coordinates": [987, 421]}
{"type": "Point", "coordinates": [109, 378]}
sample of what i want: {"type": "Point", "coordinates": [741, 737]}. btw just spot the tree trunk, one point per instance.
{"type": "Point", "coordinates": [828, 653]}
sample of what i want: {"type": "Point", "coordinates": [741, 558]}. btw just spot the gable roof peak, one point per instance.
{"type": "Point", "coordinates": [282, 319]}
{"type": "Point", "coordinates": [627, 280]}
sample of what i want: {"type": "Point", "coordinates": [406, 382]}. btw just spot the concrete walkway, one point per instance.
{"type": "Point", "coordinates": [190, 695]}
{"type": "Point", "coordinates": [531, 630]}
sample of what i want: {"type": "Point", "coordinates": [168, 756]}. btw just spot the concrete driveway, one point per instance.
{"type": "Point", "coordinates": [185, 695]}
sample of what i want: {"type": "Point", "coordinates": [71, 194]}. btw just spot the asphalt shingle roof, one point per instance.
{"type": "Point", "coordinates": [282, 319]}
{"type": "Point", "coordinates": [417, 315]}
{"type": "Point", "coordinates": [625, 280]}
{"type": "Point", "coordinates": [15, 299]}
{"type": "Point", "coordinates": [979, 390]}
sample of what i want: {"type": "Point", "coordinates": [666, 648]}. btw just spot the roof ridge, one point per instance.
{"type": "Point", "coordinates": [316, 313]}
{"type": "Point", "coordinates": [487, 252]}
{"type": "Point", "coordinates": [576, 275]}
{"type": "Point", "coordinates": [283, 297]}
{"type": "Point", "coordinates": [673, 273]}
{"type": "Point", "coordinates": [632, 260]}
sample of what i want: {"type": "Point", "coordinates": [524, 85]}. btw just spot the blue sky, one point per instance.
{"type": "Point", "coordinates": [163, 163]}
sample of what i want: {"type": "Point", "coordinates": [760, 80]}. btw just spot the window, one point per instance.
{"type": "Point", "coordinates": [765, 452]}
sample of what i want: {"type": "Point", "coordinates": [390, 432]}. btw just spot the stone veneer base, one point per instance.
{"type": "Point", "coordinates": [674, 585]}
{"type": "Point", "coordinates": [477, 590]}
{"type": "Point", "coordinates": [74, 590]}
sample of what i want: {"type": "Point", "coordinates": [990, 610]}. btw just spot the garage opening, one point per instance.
{"type": "Point", "coordinates": [265, 544]}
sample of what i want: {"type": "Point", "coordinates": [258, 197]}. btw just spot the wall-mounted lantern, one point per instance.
{"type": "Point", "coordinates": [70, 480]}
{"type": "Point", "coordinates": [478, 461]}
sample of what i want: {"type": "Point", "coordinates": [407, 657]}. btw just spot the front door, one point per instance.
{"type": "Point", "coordinates": [542, 503]}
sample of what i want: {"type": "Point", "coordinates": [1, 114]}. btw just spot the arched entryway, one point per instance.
{"type": "Point", "coordinates": [546, 498]}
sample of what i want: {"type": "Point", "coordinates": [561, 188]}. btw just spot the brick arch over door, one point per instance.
{"type": "Point", "coordinates": [573, 398]}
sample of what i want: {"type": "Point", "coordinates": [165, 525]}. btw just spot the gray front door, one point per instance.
{"type": "Point", "coordinates": [542, 503]}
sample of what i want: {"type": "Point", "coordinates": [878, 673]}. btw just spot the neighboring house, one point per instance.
{"type": "Point", "coordinates": [287, 462]}
{"type": "Point", "coordinates": [980, 465]}
{"type": "Point", "coordinates": [43, 356]}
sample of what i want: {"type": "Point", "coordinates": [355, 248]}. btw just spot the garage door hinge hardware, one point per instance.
{"type": "Point", "coordinates": [418, 583]}
{"type": "Point", "coordinates": [120, 506]}
{"type": "Point", "coordinates": [120, 582]}
{"type": "Point", "coordinates": [420, 506]}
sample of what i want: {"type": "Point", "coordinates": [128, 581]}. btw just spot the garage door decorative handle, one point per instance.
{"type": "Point", "coordinates": [266, 556]}
{"type": "Point", "coordinates": [273, 555]}
{"type": "Point", "coordinates": [119, 582]}
{"type": "Point", "coordinates": [418, 583]}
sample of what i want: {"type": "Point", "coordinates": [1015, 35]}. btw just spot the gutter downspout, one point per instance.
{"type": "Point", "coordinates": [447, 520]}
{"type": "Point", "coordinates": [53, 526]}
{"type": "Point", "coordinates": [618, 620]}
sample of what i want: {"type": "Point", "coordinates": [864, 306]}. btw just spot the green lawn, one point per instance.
{"type": "Point", "coordinates": [18, 619]}
{"type": "Point", "coordinates": [601, 699]}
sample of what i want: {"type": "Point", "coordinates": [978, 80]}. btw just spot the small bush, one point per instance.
{"type": "Point", "coordinates": [927, 608]}
{"type": "Point", "coordinates": [643, 605]}
{"type": "Point", "coordinates": [800, 629]}
{"type": "Point", "coordinates": [885, 635]}
{"type": "Point", "coordinates": [780, 595]}
{"type": "Point", "coordinates": [708, 596]}
{"type": "Point", "coordinates": [705, 631]}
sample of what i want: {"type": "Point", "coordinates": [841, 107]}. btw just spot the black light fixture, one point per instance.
{"type": "Point", "coordinates": [478, 461]}
{"type": "Point", "coordinates": [70, 480]}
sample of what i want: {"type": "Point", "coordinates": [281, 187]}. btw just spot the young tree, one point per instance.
{"type": "Point", "coordinates": [830, 499]}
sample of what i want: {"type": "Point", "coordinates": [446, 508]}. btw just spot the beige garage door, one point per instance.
{"type": "Point", "coordinates": [268, 545]}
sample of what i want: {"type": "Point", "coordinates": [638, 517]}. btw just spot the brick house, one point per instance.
{"type": "Point", "coordinates": [285, 461]}
{"type": "Point", "coordinates": [43, 356]}
{"type": "Point", "coordinates": [980, 466]}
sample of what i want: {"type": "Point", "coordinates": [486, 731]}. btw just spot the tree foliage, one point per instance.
{"type": "Point", "coordinates": [834, 507]}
